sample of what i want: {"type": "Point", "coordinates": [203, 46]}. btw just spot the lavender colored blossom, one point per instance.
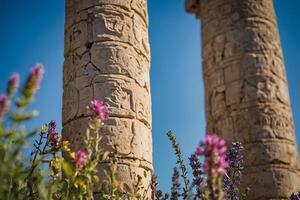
{"type": "Point", "coordinates": [4, 104]}
{"type": "Point", "coordinates": [53, 136]}
{"type": "Point", "coordinates": [13, 84]}
{"type": "Point", "coordinates": [98, 109]}
{"type": "Point", "coordinates": [295, 196]}
{"type": "Point", "coordinates": [198, 175]}
{"type": "Point", "coordinates": [80, 159]}
{"type": "Point", "coordinates": [232, 178]}
{"type": "Point", "coordinates": [175, 190]}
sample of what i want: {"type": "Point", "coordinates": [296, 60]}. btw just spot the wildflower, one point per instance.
{"type": "Point", "coordinates": [95, 179]}
{"type": "Point", "coordinates": [175, 190]}
{"type": "Point", "coordinates": [43, 129]}
{"type": "Point", "coordinates": [33, 81]}
{"type": "Point", "coordinates": [180, 162]}
{"type": "Point", "coordinates": [13, 84]}
{"type": "Point", "coordinates": [72, 155]}
{"type": "Point", "coordinates": [198, 175]}
{"type": "Point", "coordinates": [65, 146]}
{"type": "Point", "coordinates": [232, 179]}
{"type": "Point", "coordinates": [54, 139]}
{"type": "Point", "coordinates": [236, 161]}
{"type": "Point", "coordinates": [4, 105]}
{"type": "Point", "coordinates": [52, 135]}
{"type": "Point", "coordinates": [213, 148]}
{"type": "Point", "coordinates": [55, 166]}
{"type": "Point", "coordinates": [80, 159]}
{"type": "Point", "coordinates": [98, 109]}
{"type": "Point", "coordinates": [52, 125]}
{"type": "Point", "coordinates": [295, 196]}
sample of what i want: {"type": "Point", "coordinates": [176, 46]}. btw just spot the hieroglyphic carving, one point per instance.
{"type": "Point", "coordinates": [107, 57]}
{"type": "Point", "coordinates": [246, 91]}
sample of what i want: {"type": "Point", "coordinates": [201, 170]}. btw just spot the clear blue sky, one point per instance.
{"type": "Point", "coordinates": [32, 31]}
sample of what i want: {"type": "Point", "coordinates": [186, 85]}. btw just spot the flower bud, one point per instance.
{"type": "Point", "coordinates": [33, 81]}
{"type": "Point", "coordinates": [4, 106]}
{"type": "Point", "coordinates": [13, 84]}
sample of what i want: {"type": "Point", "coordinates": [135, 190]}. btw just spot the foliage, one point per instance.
{"type": "Point", "coordinates": [45, 174]}
{"type": "Point", "coordinates": [217, 178]}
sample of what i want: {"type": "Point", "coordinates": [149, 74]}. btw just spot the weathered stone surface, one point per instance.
{"type": "Point", "coordinates": [107, 57]}
{"type": "Point", "coordinates": [247, 96]}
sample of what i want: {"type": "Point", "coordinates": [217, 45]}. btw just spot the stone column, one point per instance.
{"type": "Point", "coordinates": [246, 90]}
{"type": "Point", "coordinates": [107, 57]}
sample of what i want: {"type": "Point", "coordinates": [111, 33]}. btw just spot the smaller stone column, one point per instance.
{"type": "Point", "coordinates": [246, 91]}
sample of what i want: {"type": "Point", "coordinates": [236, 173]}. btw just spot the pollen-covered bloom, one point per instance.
{"type": "Point", "coordinates": [55, 166]}
{"type": "Point", "coordinates": [65, 146]}
{"type": "Point", "coordinates": [213, 148]}
{"type": "Point", "coordinates": [33, 81]}
{"type": "Point", "coordinates": [4, 105]}
{"type": "Point", "coordinates": [13, 84]}
{"type": "Point", "coordinates": [80, 159]}
{"type": "Point", "coordinates": [98, 109]}
{"type": "Point", "coordinates": [43, 129]}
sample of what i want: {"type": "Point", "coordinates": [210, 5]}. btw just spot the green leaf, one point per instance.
{"type": "Point", "coordinates": [20, 117]}
{"type": "Point", "coordinates": [31, 134]}
{"type": "Point", "coordinates": [67, 168]}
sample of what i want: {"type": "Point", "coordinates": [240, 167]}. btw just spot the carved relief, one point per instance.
{"type": "Point", "coordinates": [251, 103]}
{"type": "Point", "coordinates": [78, 37]}
{"type": "Point", "coordinates": [110, 24]}
{"type": "Point", "coordinates": [113, 23]}
{"type": "Point", "coordinates": [70, 103]}
{"type": "Point", "coordinates": [117, 59]}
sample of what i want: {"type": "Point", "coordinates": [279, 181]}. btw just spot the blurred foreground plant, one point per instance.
{"type": "Point", "coordinates": [45, 174]}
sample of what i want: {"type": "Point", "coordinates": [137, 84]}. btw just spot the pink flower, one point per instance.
{"type": "Point", "coordinates": [4, 105]}
{"type": "Point", "coordinates": [13, 84]}
{"type": "Point", "coordinates": [213, 148]}
{"type": "Point", "coordinates": [33, 81]}
{"type": "Point", "coordinates": [98, 109]}
{"type": "Point", "coordinates": [80, 159]}
{"type": "Point", "coordinates": [37, 73]}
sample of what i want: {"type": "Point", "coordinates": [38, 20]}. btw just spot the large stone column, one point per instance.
{"type": "Point", "coordinates": [246, 90]}
{"type": "Point", "coordinates": [107, 57]}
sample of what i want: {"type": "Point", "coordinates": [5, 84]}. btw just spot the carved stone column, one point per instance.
{"type": "Point", "coordinates": [246, 90]}
{"type": "Point", "coordinates": [107, 57]}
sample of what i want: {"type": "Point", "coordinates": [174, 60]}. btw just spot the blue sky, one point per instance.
{"type": "Point", "coordinates": [32, 31]}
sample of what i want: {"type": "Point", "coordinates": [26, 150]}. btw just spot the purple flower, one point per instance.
{"type": "Point", "coordinates": [175, 190]}
{"type": "Point", "coordinates": [80, 159]}
{"type": "Point", "coordinates": [4, 105]}
{"type": "Point", "coordinates": [98, 109]}
{"type": "Point", "coordinates": [295, 197]}
{"type": "Point", "coordinates": [33, 81]}
{"type": "Point", "coordinates": [213, 148]}
{"type": "Point", "coordinates": [13, 84]}
{"type": "Point", "coordinates": [53, 136]}
{"type": "Point", "coordinates": [52, 126]}
{"type": "Point", "coordinates": [232, 179]}
{"type": "Point", "coordinates": [198, 175]}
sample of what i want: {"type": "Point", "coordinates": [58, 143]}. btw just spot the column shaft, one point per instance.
{"type": "Point", "coordinates": [246, 91]}
{"type": "Point", "coordinates": [107, 57]}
